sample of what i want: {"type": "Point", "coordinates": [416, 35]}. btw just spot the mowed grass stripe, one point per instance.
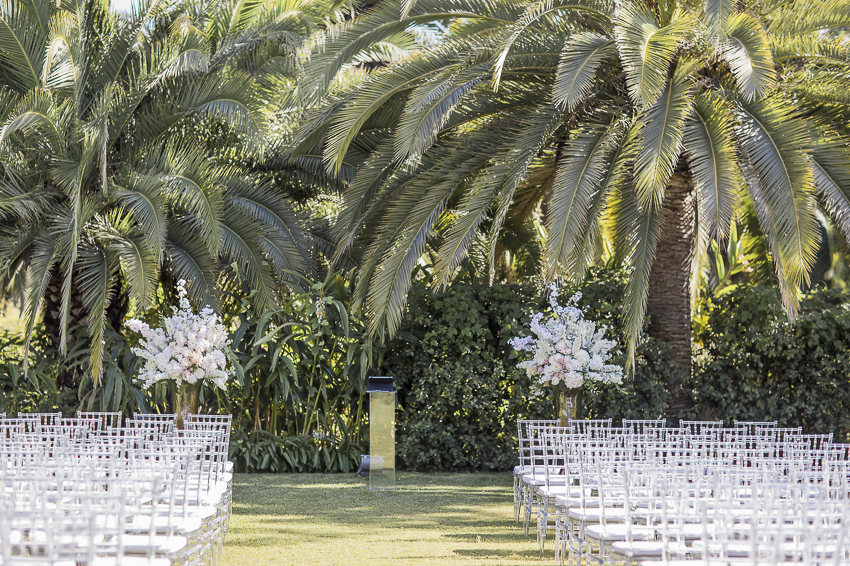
{"type": "Point", "coordinates": [332, 519]}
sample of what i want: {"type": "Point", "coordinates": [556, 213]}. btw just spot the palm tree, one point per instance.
{"type": "Point", "coordinates": [123, 146]}
{"type": "Point", "coordinates": [645, 121]}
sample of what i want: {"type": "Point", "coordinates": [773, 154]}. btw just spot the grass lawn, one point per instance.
{"type": "Point", "coordinates": [332, 519]}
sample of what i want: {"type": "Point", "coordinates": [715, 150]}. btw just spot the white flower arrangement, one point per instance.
{"type": "Point", "coordinates": [190, 348]}
{"type": "Point", "coordinates": [568, 348]}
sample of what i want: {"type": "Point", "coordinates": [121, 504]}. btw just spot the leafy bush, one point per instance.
{"type": "Point", "coordinates": [298, 397]}
{"type": "Point", "coordinates": [460, 392]}
{"type": "Point", "coordinates": [34, 390]}
{"type": "Point", "coordinates": [261, 451]}
{"type": "Point", "coordinates": [756, 365]}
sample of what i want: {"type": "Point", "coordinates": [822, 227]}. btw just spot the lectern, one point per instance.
{"type": "Point", "coordinates": [381, 433]}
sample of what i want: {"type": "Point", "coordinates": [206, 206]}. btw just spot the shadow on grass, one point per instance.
{"type": "Point", "coordinates": [345, 499]}
{"type": "Point", "coordinates": [496, 553]}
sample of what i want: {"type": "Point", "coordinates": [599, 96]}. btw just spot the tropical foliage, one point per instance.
{"type": "Point", "coordinates": [300, 384]}
{"type": "Point", "coordinates": [129, 149]}
{"type": "Point", "coordinates": [637, 125]}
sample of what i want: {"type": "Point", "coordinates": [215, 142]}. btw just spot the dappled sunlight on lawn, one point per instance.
{"type": "Point", "coordinates": [334, 520]}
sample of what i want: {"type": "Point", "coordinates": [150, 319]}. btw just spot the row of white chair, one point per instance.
{"type": "Point", "coordinates": [571, 475]}
{"type": "Point", "coordinates": [76, 492]}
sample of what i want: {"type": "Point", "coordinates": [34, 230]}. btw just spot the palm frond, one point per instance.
{"type": "Point", "coordinates": [22, 40]}
{"type": "Point", "coordinates": [366, 184]}
{"type": "Point", "coordinates": [429, 108]}
{"type": "Point", "coordinates": [576, 184]}
{"type": "Point", "coordinates": [543, 125]}
{"type": "Point", "coordinates": [143, 196]}
{"type": "Point", "coordinates": [189, 186]}
{"type": "Point", "coordinates": [240, 237]}
{"type": "Point", "coordinates": [831, 164]}
{"type": "Point", "coordinates": [641, 227]}
{"type": "Point", "coordinates": [340, 44]}
{"type": "Point", "coordinates": [98, 270]}
{"type": "Point", "coordinates": [534, 12]}
{"type": "Point", "coordinates": [581, 57]}
{"type": "Point", "coordinates": [470, 213]}
{"type": "Point", "coordinates": [646, 49]}
{"type": "Point", "coordinates": [189, 259]}
{"type": "Point", "coordinates": [36, 116]}
{"type": "Point", "coordinates": [660, 136]}
{"type": "Point", "coordinates": [711, 156]}
{"type": "Point", "coordinates": [773, 137]}
{"type": "Point", "coordinates": [138, 261]}
{"type": "Point", "coordinates": [747, 50]}
{"type": "Point", "coordinates": [42, 263]}
{"type": "Point", "coordinates": [285, 234]}
{"type": "Point", "coordinates": [717, 15]}
{"type": "Point", "coordinates": [805, 16]}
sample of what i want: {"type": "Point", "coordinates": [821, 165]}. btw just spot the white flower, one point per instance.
{"type": "Point", "coordinates": [188, 348]}
{"type": "Point", "coordinates": [566, 348]}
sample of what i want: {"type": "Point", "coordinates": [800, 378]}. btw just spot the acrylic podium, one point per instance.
{"type": "Point", "coordinates": [381, 433]}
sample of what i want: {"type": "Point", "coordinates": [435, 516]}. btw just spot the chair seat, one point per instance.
{"type": "Point", "coordinates": [638, 548]}
{"type": "Point", "coordinates": [129, 561]}
{"type": "Point", "coordinates": [162, 545]}
{"type": "Point", "coordinates": [559, 490]}
{"type": "Point", "coordinates": [573, 502]}
{"type": "Point", "coordinates": [620, 532]}
{"type": "Point", "coordinates": [540, 480]}
{"type": "Point", "coordinates": [183, 525]}
{"type": "Point", "coordinates": [614, 515]}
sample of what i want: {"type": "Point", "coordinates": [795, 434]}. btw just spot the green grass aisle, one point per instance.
{"type": "Point", "coordinates": [331, 519]}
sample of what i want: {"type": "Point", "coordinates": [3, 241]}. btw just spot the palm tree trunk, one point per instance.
{"type": "Point", "coordinates": [669, 299]}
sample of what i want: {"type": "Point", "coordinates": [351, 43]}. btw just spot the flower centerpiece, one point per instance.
{"type": "Point", "coordinates": [189, 348]}
{"type": "Point", "coordinates": [568, 350]}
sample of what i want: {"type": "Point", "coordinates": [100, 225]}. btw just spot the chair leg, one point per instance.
{"type": "Point", "coordinates": [542, 522]}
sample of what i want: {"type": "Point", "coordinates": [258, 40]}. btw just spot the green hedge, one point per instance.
{"type": "Point", "coordinates": [756, 365]}
{"type": "Point", "coordinates": [460, 392]}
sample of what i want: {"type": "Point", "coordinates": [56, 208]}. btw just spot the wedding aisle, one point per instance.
{"type": "Point", "coordinates": [331, 519]}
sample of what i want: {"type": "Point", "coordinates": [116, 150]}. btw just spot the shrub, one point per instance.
{"type": "Point", "coordinates": [756, 365]}
{"type": "Point", "coordinates": [460, 392]}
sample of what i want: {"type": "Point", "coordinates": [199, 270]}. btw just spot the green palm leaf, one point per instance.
{"type": "Point", "coordinates": [576, 184]}
{"type": "Point", "coordinates": [42, 263]}
{"type": "Point", "coordinates": [138, 261]}
{"type": "Point", "coordinates": [98, 272]}
{"type": "Point", "coordinates": [470, 213]}
{"type": "Point", "coordinates": [240, 237]}
{"type": "Point", "coordinates": [772, 138]}
{"type": "Point", "coordinates": [285, 235]}
{"type": "Point", "coordinates": [429, 108]}
{"type": "Point", "coordinates": [747, 50]}
{"type": "Point", "coordinates": [537, 11]}
{"type": "Point", "coordinates": [542, 127]}
{"type": "Point", "coordinates": [581, 57]}
{"type": "Point", "coordinates": [22, 41]}
{"type": "Point", "coordinates": [189, 186]}
{"type": "Point", "coordinates": [717, 15]}
{"type": "Point", "coordinates": [143, 196]}
{"type": "Point", "coordinates": [646, 49]}
{"type": "Point", "coordinates": [660, 137]}
{"type": "Point", "coordinates": [639, 230]}
{"type": "Point", "coordinates": [831, 165]}
{"type": "Point", "coordinates": [712, 159]}
{"type": "Point", "coordinates": [189, 259]}
{"type": "Point", "coordinates": [802, 16]}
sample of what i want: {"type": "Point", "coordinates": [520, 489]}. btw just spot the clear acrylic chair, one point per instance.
{"type": "Point", "coordinates": [106, 419]}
